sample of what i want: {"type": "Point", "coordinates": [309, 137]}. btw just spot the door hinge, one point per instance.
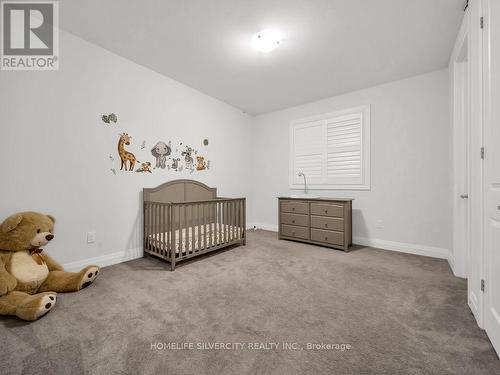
{"type": "Point", "coordinates": [482, 22]}
{"type": "Point", "coordinates": [482, 152]}
{"type": "Point", "coordinates": [482, 285]}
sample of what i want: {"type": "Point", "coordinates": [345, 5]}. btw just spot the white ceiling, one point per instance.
{"type": "Point", "coordinates": [330, 46]}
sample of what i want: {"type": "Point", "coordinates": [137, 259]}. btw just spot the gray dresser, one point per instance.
{"type": "Point", "coordinates": [320, 221]}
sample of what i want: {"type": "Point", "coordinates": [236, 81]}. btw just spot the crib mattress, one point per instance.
{"type": "Point", "coordinates": [209, 235]}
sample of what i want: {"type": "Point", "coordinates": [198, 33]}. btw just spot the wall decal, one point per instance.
{"type": "Point", "coordinates": [188, 159]}
{"type": "Point", "coordinates": [140, 157]}
{"type": "Point", "coordinates": [145, 167]}
{"type": "Point", "coordinates": [160, 151]}
{"type": "Point", "coordinates": [111, 118]}
{"type": "Point", "coordinates": [124, 154]}
{"type": "Point", "coordinates": [200, 163]}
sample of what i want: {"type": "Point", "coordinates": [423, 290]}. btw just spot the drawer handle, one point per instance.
{"type": "Point", "coordinates": [293, 221]}
{"type": "Point", "coordinates": [326, 238]}
{"type": "Point", "coordinates": [326, 211]}
{"type": "Point", "coordinates": [293, 233]}
{"type": "Point", "coordinates": [293, 208]}
{"type": "Point", "coordinates": [326, 224]}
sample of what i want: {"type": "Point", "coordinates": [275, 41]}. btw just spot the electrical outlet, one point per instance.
{"type": "Point", "coordinates": [90, 237]}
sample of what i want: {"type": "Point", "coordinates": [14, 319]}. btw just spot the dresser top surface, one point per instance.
{"type": "Point", "coordinates": [319, 199]}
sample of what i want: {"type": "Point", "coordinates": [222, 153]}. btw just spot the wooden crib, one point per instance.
{"type": "Point", "coordinates": [185, 218]}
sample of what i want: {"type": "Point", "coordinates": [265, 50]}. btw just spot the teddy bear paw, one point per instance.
{"type": "Point", "coordinates": [37, 306]}
{"type": "Point", "coordinates": [89, 276]}
{"type": "Point", "coordinates": [47, 303]}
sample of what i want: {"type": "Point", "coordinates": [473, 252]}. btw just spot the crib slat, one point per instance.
{"type": "Point", "coordinates": [168, 230]}
{"type": "Point", "coordinates": [151, 228]}
{"type": "Point", "coordinates": [198, 227]}
{"type": "Point", "coordinates": [204, 221]}
{"type": "Point", "coordinates": [211, 220]}
{"type": "Point", "coordinates": [233, 211]}
{"type": "Point", "coordinates": [192, 229]}
{"type": "Point", "coordinates": [241, 220]}
{"type": "Point", "coordinates": [226, 222]}
{"type": "Point", "coordinates": [229, 218]}
{"type": "Point", "coordinates": [236, 220]}
{"type": "Point", "coordinates": [223, 218]}
{"type": "Point", "coordinates": [160, 237]}
{"type": "Point", "coordinates": [216, 221]}
{"type": "Point", "coordinates": [144, 226]}
{"type": "Point", "coordinates": [163, 231]}
{"type": "Point", "coordinates": [224, 212]}
{"type": "Point", "coordinates": [174, 239]}
{"type": "Point", "coordinates": [155, 228]}
{"type": "Point", "coordinates": [219, 225]}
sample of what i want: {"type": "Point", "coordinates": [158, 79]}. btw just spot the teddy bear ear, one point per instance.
{"type": "Point", "coordinates": [11, 223]}
{"type": "Point", "coordinates": [52, 218]}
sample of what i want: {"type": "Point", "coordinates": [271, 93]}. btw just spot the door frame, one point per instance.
{"type": "Point", "coordinates": [459, 71]}
{"type": "Point", "coordinates": [473, 266]}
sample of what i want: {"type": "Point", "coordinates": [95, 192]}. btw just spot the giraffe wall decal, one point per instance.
{"type": "Point", "coordinates": [124, 154]}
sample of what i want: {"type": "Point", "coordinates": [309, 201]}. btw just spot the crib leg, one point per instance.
{"type": "Point", "coordinates": [172, 265]}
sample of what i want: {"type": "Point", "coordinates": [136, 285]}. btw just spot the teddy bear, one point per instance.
{"type": "Point", "coordinates": [29, 278]}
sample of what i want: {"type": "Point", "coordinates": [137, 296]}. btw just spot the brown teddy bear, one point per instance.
{"type": "Point", "coordinates": [29, 278]}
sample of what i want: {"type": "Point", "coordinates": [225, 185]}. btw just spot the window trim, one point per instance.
{"type": "Point", "coordinates": [366, 147]}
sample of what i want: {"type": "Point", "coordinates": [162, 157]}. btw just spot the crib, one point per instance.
{"type": "Point", "coordinates": [184, 219]}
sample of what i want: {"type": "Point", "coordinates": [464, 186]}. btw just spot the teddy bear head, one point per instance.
{"type": "Point", "coordinates": [26, 231]}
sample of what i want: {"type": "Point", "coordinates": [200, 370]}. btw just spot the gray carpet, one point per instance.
{"type": "Point", "coordinates": [400, 314]}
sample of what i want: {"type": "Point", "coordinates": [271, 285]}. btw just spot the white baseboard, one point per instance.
{"type": "Point", "coordinates": [124, 256]}
{"type": "Point", "coordinates": [424, 250]}
{"type": "Point", "coordinates": [451, 263]}
{"type": "Point", "coordinates": [429, 251]}
{"type": "Point", "coordinates": [105, 260]}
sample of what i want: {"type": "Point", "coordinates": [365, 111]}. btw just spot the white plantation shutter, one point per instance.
{"type": "Point", "coordinates": [344, 159]}
{"type": "Point", "coordinates": [332, 150]}
{"type": "Point", "coordinates": [309, 152]}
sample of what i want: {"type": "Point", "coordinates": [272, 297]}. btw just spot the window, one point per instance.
{"type": "Point", "coordinates": [332, 150]}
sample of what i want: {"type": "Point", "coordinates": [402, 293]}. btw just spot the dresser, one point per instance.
{"type": "Point", "coordinates": [320, 221]}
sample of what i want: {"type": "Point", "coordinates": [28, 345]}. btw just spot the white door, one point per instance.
{"type": "Point", "coordinates": [491, 45]}
{"type": "Point", "coordinates": [475, 269]}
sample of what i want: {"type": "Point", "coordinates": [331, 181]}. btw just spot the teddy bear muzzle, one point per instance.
{"type": "Point", "coordinates": [42, 239]}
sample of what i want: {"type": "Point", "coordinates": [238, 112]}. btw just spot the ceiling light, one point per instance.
{"type": "Point", "coordinates": [267, 40]}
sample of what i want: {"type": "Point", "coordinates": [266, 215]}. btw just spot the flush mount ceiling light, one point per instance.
{"type": "Point", "coordinates": [267, 40]}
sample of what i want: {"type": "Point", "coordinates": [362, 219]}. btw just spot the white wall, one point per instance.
{"type": "Point", "coordinates": [55, 150]}
{"type": "Point", "coordinates": [409, 205]}
{"type": "Point", "coordinates": [55, 153]}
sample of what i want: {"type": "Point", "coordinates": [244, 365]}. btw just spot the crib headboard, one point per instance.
{"type": "Point", "coordinates": [180, 191]}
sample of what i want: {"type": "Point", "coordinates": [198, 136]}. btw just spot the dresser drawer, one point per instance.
{"type": "Point", "coordinates": [295, 219]}
{"type": "Point", "coordinates": [334, 210]}
{"type": "Point", "coordinates": [293, 231]}
{"type": "Point", "coordinates": [327, 236]}
{"type": "Point", "coordinates": [295, 207]}
{"type": "Point", "coordinates": [328, 223]}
